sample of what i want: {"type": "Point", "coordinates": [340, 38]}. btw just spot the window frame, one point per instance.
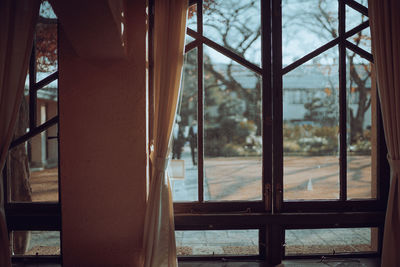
{"type": "Point", "coordinates": [35, 216]}
{"type": "Point", "coordinates": [272, 219]}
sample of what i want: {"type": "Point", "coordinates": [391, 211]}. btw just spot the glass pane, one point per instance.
{"type": "Point", "coordinates": [188, 39]}
{"type": "Point", "coordinates": [36, 242]}
{"type": "Point", "coordinates": [33, 169]}
{"type": "Point", "coordinates": [46, 105]}
{"type": "Point", "coordinates": [50, 90]}
{"type": "Point", "coordinates": [46, 40]}
{"type": "Point", "coordinates": [46, 48]}
{"type": "Point", "coordinates": [363, 2]}
{"type": "Point", "coordinates": [46, 11]}
{"type": "Point", "coordinates": [361, 125]}
{"type": "Point", "coordinates": [223, 242]}
{"type": "Point", "coordinates": [331, 241]}
{"type": "Point", "coordinates": [47, 102]}
{"type": "Point", "coordinates": [362, 39]}
{"type": "Point", "coordinates": [310, 129]}
{"type": "Point", "coordinates": [236, 25]}
{"type": "Point", "coordinates": [22, 123]}
{"type": "Point", "coordinates": [353, 19]}
{"type": "Point", "coordinates": [192, 17]}
{"type": "Point", "coordinates": [307, 25]}
{"type": "Point", "coordinates": [232, 130]}
{"type": "Point", "coordinates": [185, 133]}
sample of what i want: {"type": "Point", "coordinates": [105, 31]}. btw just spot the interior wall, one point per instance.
{"type": "Point", "coordinates": [102, 130]}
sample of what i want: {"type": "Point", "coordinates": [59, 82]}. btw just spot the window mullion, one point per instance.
{"type": "Point", "coordinates": [277, 149]}
{"type": "Point", "coordinates": [342, 102]}
{"type": "Point", "coordinates": [275, 232]}
{"type": "Point", "coordinates": [200, 147]}
{"type": "Point", "coordinates": [266, 103]}
{"type": "Point", "coordinates": [32, 90]}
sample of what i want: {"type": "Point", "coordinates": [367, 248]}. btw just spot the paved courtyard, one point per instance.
{"type": "Point", "coordinates": [304, 178]}
{"type": "Point", "coordinates": [240, 179]}
{"type": "Point", "coordinates": [307, 178]}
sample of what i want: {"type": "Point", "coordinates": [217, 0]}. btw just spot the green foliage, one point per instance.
{"type": "Point", "coordinates": [232, 150]}
{"type": "Point", "coordinates": [320, 140]}
{"type": "Point", "coordinates": [291, 146]}
{"type": "Point", "coordinates": [310, 140]}
{"type": "Point", "coordinates": [362, 144]}
{"type": "Point", "coordinates": [229, 139]}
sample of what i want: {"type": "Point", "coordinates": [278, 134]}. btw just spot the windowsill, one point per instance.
{"type": "Point", "coordinates": [367, 262]}
{"type": "Point", "coordinates": [372, 262]}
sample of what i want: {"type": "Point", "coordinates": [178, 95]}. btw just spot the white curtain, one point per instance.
{"type": "Point", "coordinates": [385, 34]}
{"type": "Point", "coordinates": [17, 24]}
{"type": "Point", "coordinates": [169, 38]}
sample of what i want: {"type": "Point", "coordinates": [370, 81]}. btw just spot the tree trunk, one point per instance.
{"type": "Point", "coordinates": [363, 103]}
{"type": "Point", "coordinates": [20, 189]}
{"type": "Point", "coordinates": [356, 128]}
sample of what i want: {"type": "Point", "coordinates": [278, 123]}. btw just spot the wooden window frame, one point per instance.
{"type": "Point", "coordinates": [269, 218]}
{"type": "Point", "coordinates": [35, 216]}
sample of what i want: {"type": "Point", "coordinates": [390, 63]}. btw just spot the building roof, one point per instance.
{"type": "Point", "coordinates": [307, 76]}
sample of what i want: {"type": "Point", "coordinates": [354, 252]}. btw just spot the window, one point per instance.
{"type": "Point", "coordinates": [31, 173]}
{"type": "Point", "coordinates": [278, 127]}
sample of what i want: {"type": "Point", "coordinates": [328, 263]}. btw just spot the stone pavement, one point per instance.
{"type": "Point", "coordinates": [305, 178]}
{"type": "Point", "coordinates": [187, 188]}
{"type": "Point", "coordinates": [297, 242]}
{"type": "Point", "coordinates": [329, 241]}
{"type": "Point", "coordinates": [213, 242]}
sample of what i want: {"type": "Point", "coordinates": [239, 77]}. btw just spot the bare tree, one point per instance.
{"type": "Point", "coordinates": [323, 21]}
{"type": "Point", "coordinates": [236, 26]}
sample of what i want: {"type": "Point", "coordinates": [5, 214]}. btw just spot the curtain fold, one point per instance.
{"type": "Point", "coordinates": [385, 35]}
{"type": "Point", "coordinates": [169, 38]}
{"type": "Point", "coordinates": [17, 24]}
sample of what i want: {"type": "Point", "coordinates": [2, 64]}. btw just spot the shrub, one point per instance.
{"type": "Point", "coordinates": [310, 139]}
{"type": "Point", "coordinates": [291, 146]}
{"type": "Point", "coordinates": [232, 150]}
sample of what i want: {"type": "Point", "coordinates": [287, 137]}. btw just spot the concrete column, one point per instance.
{"type": "Point", "coordinates": [103, 140]}
{"type": "Point", "coordinates": [52, 145]}
{"type": "Point", "coordinates": [37, 143]}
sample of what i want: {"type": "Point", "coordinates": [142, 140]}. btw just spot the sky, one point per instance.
{"type": "Point", "coordinates": [297, 38]}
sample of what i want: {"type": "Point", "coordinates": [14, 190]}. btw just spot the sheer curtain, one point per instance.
{"type": "Point", "coordinates": [385, 34]}
{"type": "Point", "coordinates": [169, 38]}
{"type": "Point", "coordinates": [17, 24]}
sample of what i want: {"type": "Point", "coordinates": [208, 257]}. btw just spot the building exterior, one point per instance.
{"type": "Point", "coordinates": [301, 86]}
{"type": "Point", "coordinates": [43, 148]}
